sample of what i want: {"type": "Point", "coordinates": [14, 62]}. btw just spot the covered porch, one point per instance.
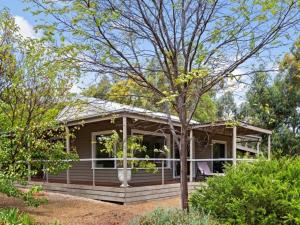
{"type": "Point", "coordinates": [214, 144]}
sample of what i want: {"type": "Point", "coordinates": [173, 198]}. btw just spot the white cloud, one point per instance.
{"type": "Point", "coordinates": [26, 29]}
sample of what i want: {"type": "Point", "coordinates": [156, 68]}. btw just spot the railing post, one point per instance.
{"type": "Point", "coordinates": [29, 171]}
{"type": "Point", "coordinates": [162, 172]}
{"type": "Point", "coordinates": [68, 151]}
{"type": "Point", "coordinates": [191, 155]}
{"type": "Point", "coordinates": [124, 183]}
{"type": "Point", "coordinates": [269, 147]}
{"type": "Point", "coordinates": [94, 183]}
{"type": "Point", "coordinates": [234, 145]}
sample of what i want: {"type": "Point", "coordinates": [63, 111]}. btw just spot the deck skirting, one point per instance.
{"type": "Point", "coordinates": [117, 194]}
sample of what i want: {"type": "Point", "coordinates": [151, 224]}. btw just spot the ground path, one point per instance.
{"type": "Point", "coordinates": [70, 210]}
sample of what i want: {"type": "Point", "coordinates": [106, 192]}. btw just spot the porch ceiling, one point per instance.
{"type": "Point", "coordinates": [223, 128]}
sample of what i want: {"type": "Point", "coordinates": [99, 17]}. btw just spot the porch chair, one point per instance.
{"type": "Point", "coordinates": [203, 170]}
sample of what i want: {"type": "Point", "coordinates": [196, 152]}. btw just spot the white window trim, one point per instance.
{"type": "Point", "coordinates": [212, 149]}
{"type": "Point", "coordinates": [94, 134]}
{"type": "Point", "coordinates": [166, 136]}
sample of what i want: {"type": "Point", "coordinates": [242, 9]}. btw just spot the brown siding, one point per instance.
{"type": "Point", "coordinates": [82, 171]}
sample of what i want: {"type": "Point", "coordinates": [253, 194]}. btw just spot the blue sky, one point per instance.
{"type": "Point", "coordinates": [26, 22]}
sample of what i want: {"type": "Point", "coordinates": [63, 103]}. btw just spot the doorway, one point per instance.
{"type": "Point", "coordinates": [219, 151]}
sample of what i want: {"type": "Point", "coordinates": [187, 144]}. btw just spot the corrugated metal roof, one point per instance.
{"type": "Point", "coordinates": [87, 107]}
{"type": "Point", "coordinates": [84, 108]}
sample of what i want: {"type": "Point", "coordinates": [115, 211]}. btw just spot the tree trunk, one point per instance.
{"type": "Point", "coordinates": [183, 169]}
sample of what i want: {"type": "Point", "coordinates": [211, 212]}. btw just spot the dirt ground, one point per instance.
{"type": "Point", "coordinates": [70, 210]}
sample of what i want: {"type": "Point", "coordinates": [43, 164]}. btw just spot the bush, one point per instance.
{"type": "Point", "coordinates": [14, 217]}
{"type": "Point", "coordinates": [259, 193]}
{"type": "Point", "coordinates": [173, 217]}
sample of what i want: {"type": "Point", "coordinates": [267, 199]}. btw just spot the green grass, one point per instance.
{"type": "Point", "coordinates": [12, 216]}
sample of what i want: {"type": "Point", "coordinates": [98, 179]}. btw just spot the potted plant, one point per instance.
{"type": "Point", "coordinates": [114, 146]}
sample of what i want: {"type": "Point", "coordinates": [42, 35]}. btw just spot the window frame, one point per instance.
{"type": "Point", "coordinates": [94, 134]}
{"type": "Point", "coordinates": [167, 138]}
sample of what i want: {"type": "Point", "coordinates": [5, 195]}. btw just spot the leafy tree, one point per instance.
{"type": "Point", "coordinates": [195, 44]}
{"type": "Point", "coordinates": [128, 92]}
{"type": "Point", "coordinates": [98, 90]}
{"type": "Point", "coordinates": [34, 87]}
{"type": "Point", "coordinates": [227, 108]}
{"type": "Point", "coordinates": [275, 104]}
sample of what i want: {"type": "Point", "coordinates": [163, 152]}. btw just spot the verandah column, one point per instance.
{"type": "Point", "coordinates": [258, 147]}
{"type": "Point", "coordinates": [124, 184]}
{"type": "Point", "coordinates": [234, 145]}
{"type": "Point", "coordinates": [191, 155]}
{"type": "Point", "coordinates": [68, 151]}
{"type": "Point", "coordinates": [269, 147]}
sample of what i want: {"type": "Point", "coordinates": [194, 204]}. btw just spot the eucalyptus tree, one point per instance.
{"type": "Point", "coordinates": [197, 44]}
{"type": "Point", "coordinates": [273, 102]}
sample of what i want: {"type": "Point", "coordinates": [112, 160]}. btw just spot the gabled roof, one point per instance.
{"type": "Point", "coordinates": [85, 108]}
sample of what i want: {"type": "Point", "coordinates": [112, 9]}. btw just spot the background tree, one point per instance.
{"type": "Point", "coordinates": [227, 108]}
{"type": "Point", "coordinates": [34, 86]}
{"type": "Point", "coordinates": [128, 92]}
{"type": "Point", "coordinates": [274, 104]}
{"type": "Point", "coordinates": [196, 44]}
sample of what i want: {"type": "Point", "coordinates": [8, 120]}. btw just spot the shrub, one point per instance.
{"type": "Point", "coordinates": [259, 193]}
{"type": "Point", "coordinates": [14, 217]}
{"type": "Point", "coordinates": [173, 217]}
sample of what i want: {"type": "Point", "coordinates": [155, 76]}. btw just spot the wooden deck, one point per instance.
{"type": "Point", "coordinates": [117, 194]}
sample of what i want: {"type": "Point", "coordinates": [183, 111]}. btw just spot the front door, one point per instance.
{"type": "Point", "coordinates": [219, 151]}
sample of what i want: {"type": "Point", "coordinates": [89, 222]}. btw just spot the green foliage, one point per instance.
{"type": "Point", "coordinates": [172, 217]}
{"type": "Point", "coordinates": [7, 187]}
{"type": "Point", "coordinates": [258, 193]}
{"type": "Point", "coordinates": [128, 92]}
{"type": "Point", "coordinates": [13, 216]}
{"type": "Point", "coordinates": [34, 86]}
{"type": "Point", "coordinates": [274, 103]}
{"type": "Point", "coordinates": [114, 146]}
{"type": "Point", "coordinates": [227, 108]}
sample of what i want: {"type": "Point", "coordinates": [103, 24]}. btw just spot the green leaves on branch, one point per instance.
{"type": "Point", "coordinates": [193, 75]}
{"type": "Point", "coordinates": [34, 86]}
{"type": "Point", "coordinates": [114, 146]}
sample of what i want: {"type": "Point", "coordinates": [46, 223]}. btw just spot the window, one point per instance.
{"type": "Point", "coordinates": [155, 146]}
{"type": "Point", "coordinates": [99, 152]}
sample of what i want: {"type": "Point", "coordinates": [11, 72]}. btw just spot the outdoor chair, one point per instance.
{"type": "Point", "coordinates": [203, 170]}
